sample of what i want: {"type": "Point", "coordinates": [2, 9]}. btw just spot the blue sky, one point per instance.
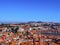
{"type": "Point", "coordinates": [29, 10]}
